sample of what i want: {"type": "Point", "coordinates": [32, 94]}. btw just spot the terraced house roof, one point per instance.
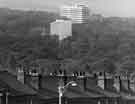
{"type": "Point", "coordinates": [9, 83]}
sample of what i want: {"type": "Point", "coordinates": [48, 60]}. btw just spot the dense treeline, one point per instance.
{"type": "Point", "coordinates": [106, 45]}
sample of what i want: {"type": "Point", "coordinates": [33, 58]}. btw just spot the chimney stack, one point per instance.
{"type": "Point", "coordinates": [132, 82]}
{"type": "Point", "coordinates": [35, 79]}
{"type": "Point", "coordinates": [108, 81]}
{"type": "Point", "coordinates": [85, 83]}
{"type": "Point", "coordinates": [39, 81]}
{"type": "Point", "coordinates": [82, 79]}
{"type": "Point", "coordinates": [125, 82]}
{"type": "Point", "coordinates": [101, 79]}
{"type": "Point", "coordinates": [117, 83]}
{"type": "Point", "coordinates": [132, 85]}
{"type": "Point", "coordinates": [20, 74]}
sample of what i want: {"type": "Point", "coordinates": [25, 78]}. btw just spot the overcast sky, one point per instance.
{"type": "Point", "coordinates": [120, 8]}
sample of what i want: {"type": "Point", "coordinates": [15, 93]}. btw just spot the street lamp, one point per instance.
{"type": "Point", "coordinates": [61, 89]}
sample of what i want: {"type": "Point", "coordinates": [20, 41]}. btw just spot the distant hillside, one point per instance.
{"type": "Point", "coordinates": [17, 22]}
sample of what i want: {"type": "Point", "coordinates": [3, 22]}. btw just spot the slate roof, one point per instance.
{"type": "Point", "coordinates": [10, 83]}
{"type": "Point", "coordinates": [71, 92]}
{"type": "Point", "coordinates": [92, 87]}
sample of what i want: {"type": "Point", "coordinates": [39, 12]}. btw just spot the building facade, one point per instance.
{"type": "Point", "coordinates": [62, 28]}
{"type": "Point", "coordinates": [77, 13]}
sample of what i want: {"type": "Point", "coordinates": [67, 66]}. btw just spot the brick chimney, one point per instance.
{"type": "Point", "coordinates": [108, 81]}
{"type": "Point", "coordinates": [39, 81]}
{"type": "Point", "coordinates": [85, 83]}
{"type": "Point", "coordinates": [132, 85]}
{"type": "Point", "coordinates": [34, 80]}
{"type": "Point", "coordinates": [132, 82]}
{"type": "Point", "coordinates": [125, 83]}
{"type": "Point", "coordinates": [91, 81]}
{"type": "Point", "coordinates": [117, 83]}
{"type": "Point", "coordinates": [82, 80]}
{"type": "Point", "coordinates": [101, 79]}
{"type": "Point", "coordinates": [20, 74]}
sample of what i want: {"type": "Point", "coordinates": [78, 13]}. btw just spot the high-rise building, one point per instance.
{"type": "Point", "coordinates": [62, 28]}
{"type": "Point", "coordinates": [77, 13]}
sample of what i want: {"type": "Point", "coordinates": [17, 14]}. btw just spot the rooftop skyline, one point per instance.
{"type": "Point", "coordinates": [121, 8]}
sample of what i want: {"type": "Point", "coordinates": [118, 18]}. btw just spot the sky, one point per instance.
{"type": "Point", "coordinates": [120, 8]}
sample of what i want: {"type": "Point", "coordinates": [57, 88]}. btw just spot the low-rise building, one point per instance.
{"type": "Point", "coordinates": [62, 28]}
